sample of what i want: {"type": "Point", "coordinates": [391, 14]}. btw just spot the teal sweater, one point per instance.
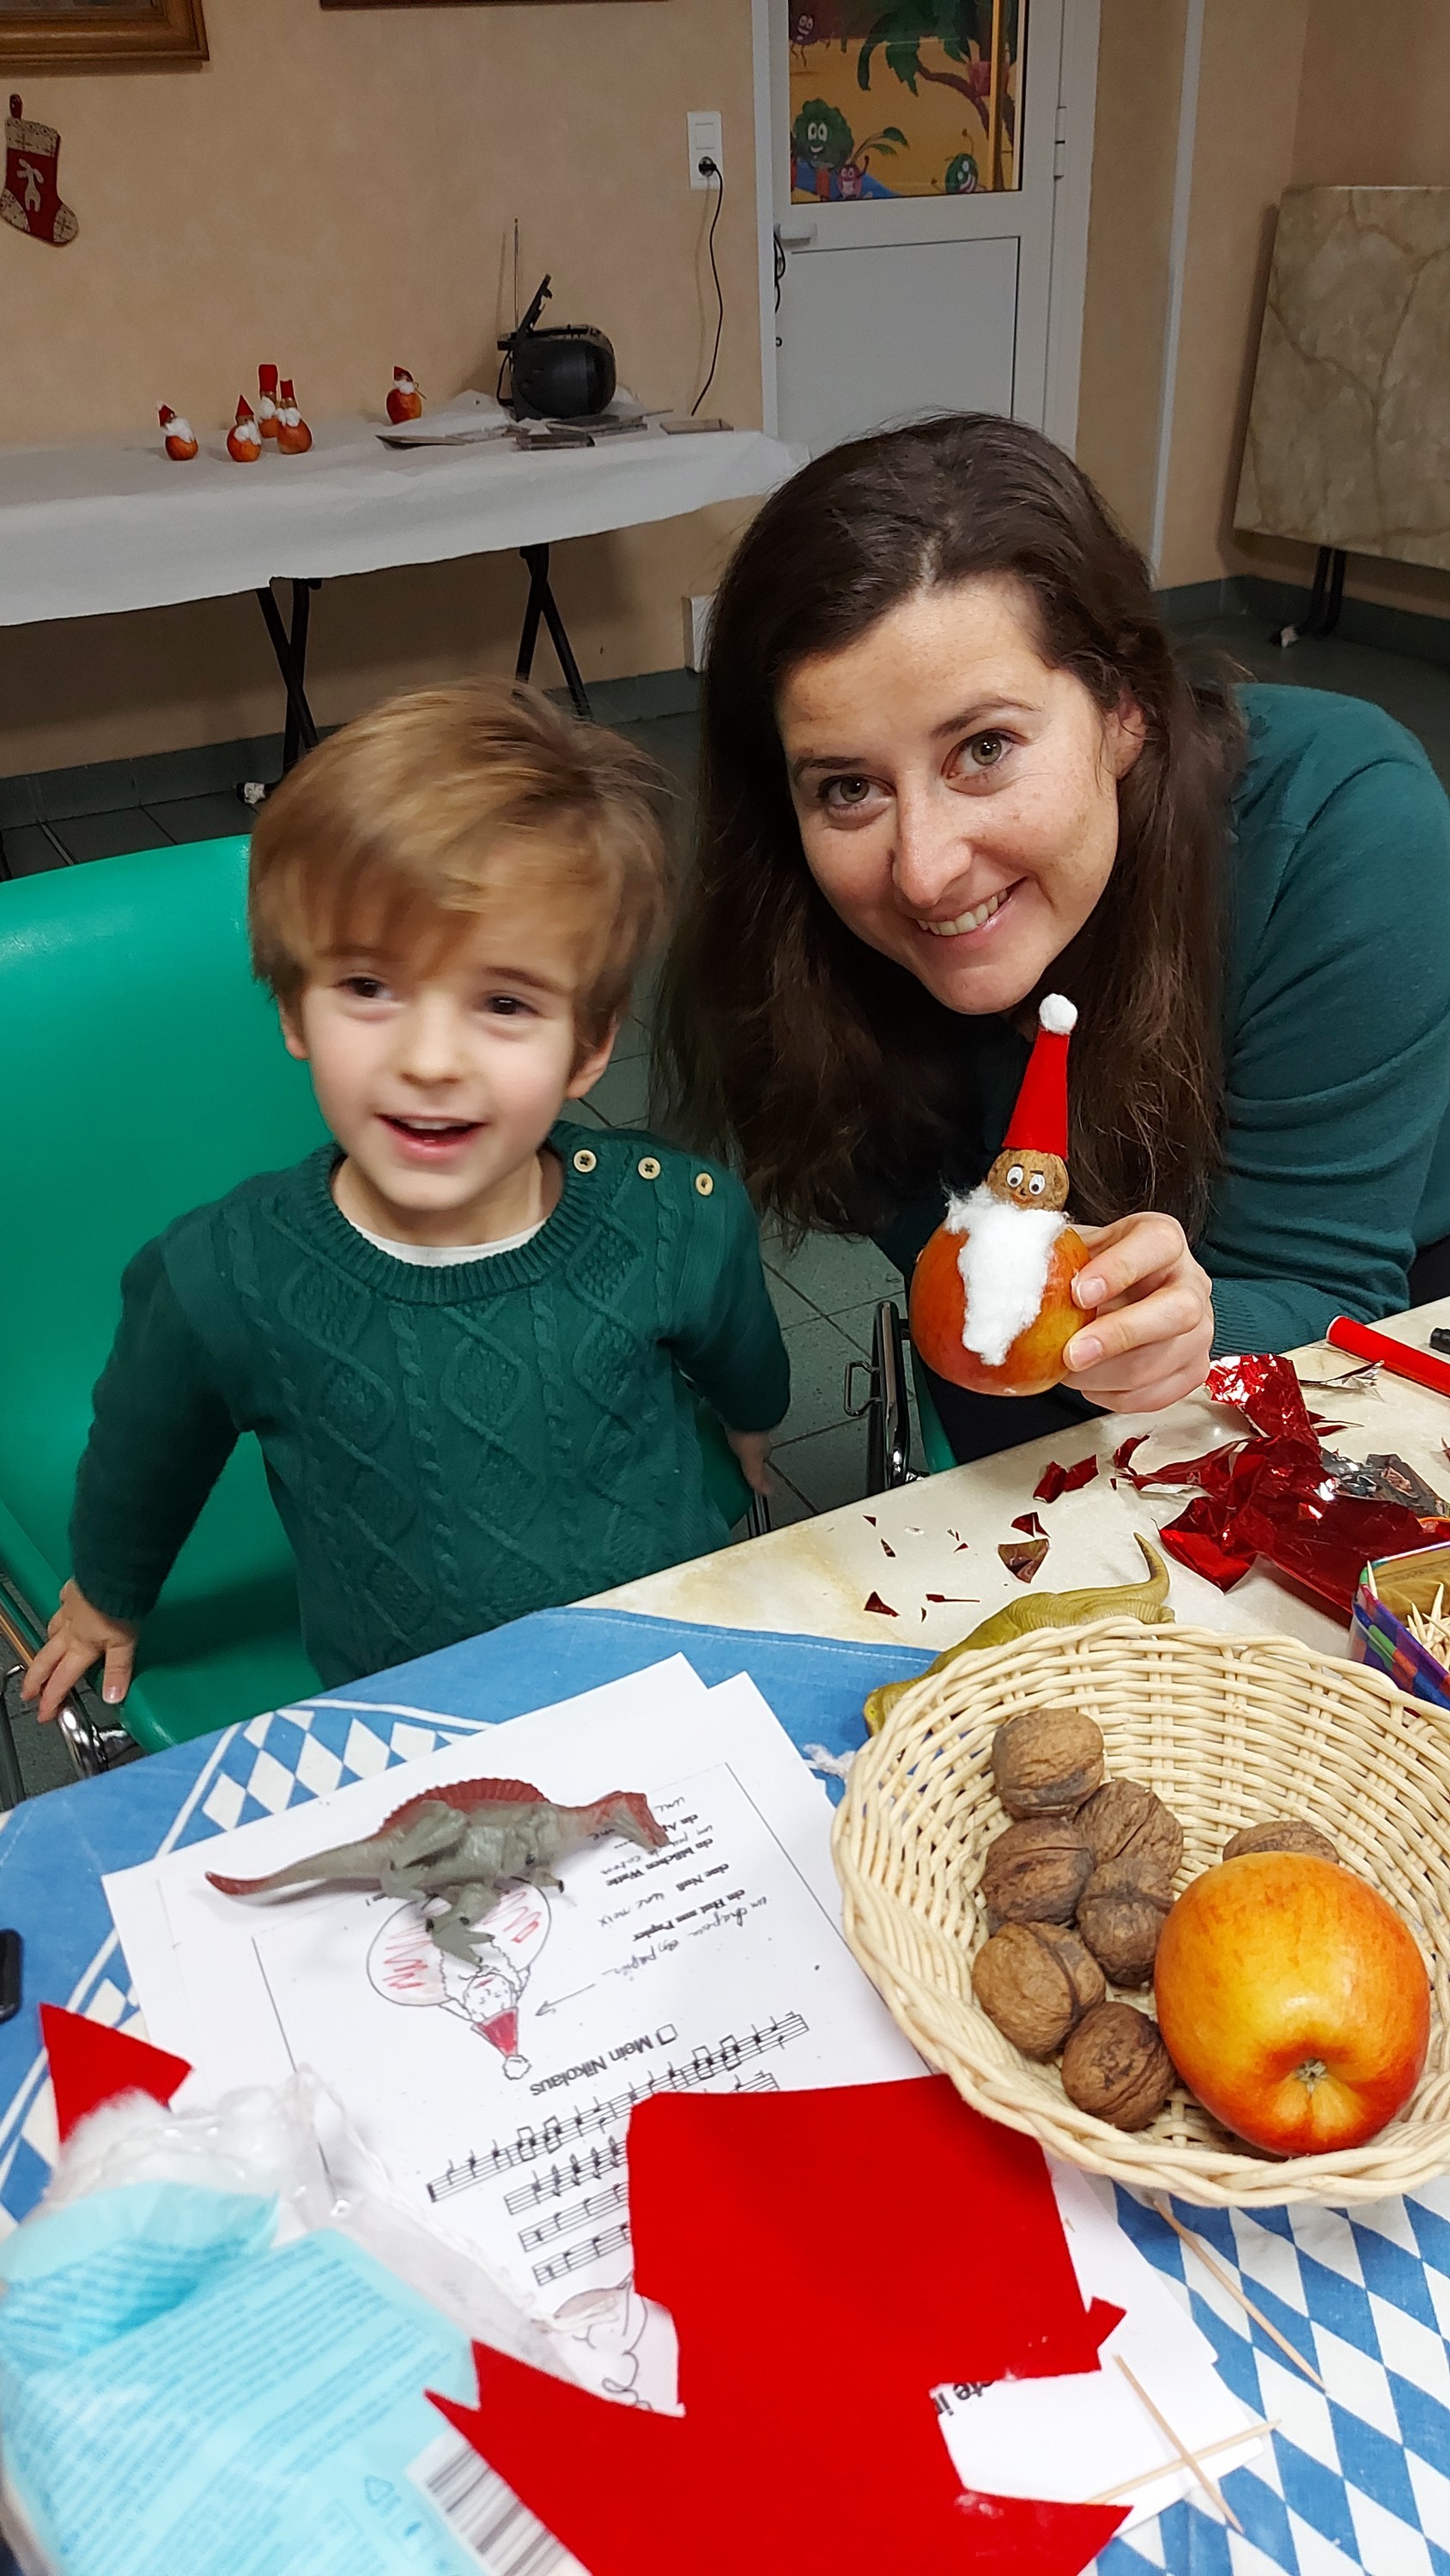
{"type": "Point", "coordinates": [447, 1447]}
{"type": "Point", "coordinates": [1336, 1016]}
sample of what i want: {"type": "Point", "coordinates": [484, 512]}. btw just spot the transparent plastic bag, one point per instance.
{"type": "Point", "coordinates": [216, 2332]}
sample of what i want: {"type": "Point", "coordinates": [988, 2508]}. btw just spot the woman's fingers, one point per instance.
{"type": "Point", "coordinates": [1165, 1314]}
{"type": "Point", "coordinates": [1124, 1255]}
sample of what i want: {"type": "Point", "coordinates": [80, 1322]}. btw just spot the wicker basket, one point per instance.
{"type": "Point", "coordinates": [1230, 1731]}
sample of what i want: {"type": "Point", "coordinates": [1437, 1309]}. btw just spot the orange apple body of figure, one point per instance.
{"type": "Point", "coordinates": [991, 1296]}
{"type": "Point", "coordinates": [244, 438]}
{"type": "Point", "coordinates": [180, 444]}
{"type": "Point", "coordinates": [1293, 2001]}
{"type": "Point", "coordinates": [267, 401]}
{"type": "Point", "coordinates": [404, 400]}
{"type": "Point", "coordinates": [293, 435]}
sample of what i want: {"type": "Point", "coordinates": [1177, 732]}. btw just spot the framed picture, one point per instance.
{"type": "Point", "coordinates": [100, 35]}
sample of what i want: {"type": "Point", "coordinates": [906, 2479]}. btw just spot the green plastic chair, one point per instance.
{"type": "Point", "coordinates": [141, 1075]}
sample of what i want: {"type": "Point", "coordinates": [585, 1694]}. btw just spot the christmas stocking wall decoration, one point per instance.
{"type": "Point", "coordinates": [30, 199]}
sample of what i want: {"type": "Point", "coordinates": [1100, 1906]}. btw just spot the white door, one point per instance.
{"type": "Point", "coordinates": [893, 306]}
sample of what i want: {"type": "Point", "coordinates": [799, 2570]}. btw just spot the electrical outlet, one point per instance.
{"type": "Point", "coordinates": [698, 612]}
{"type": "Point", "coordinates": [706, 144]}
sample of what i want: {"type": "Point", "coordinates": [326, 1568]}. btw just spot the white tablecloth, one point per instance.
{"type": "Point", "coordinates": [86, 531]}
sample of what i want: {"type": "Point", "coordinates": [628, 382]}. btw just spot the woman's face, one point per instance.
{"type": "Point", "coordinates": [957, 798]}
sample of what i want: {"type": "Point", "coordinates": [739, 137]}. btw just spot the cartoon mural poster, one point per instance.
{"type": "Point", "coordinates": [903, 98]}
{"type": "Point", "coordinates": [406, 1965]}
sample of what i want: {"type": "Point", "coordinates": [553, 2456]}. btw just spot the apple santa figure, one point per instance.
{"type": "Point", "coordinates": [991, 1298]}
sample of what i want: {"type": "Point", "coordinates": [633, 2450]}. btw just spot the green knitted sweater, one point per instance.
{"type": "Point", "coordinates": [447, 1447]}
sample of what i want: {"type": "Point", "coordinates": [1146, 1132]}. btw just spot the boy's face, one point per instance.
{"type": "Point", "coordinates": [441, 1077]}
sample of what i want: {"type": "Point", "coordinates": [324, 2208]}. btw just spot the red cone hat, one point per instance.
{"type": "Point", "coordinates": [1038, 1124]}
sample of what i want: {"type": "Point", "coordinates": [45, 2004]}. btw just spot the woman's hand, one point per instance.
{"type": "Point", "coordinates": [79, 1636]}
{"type": "Point", "coordinates": [1152, 1316]}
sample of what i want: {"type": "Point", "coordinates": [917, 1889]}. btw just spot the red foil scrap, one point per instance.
{"type": "Point", "coordinates": [1023, 1557]}
{"type": "Point", "coordinates": [1269, 1495]}
{"type": "Point", "coordinates": [1057, 1480]}
{"type": "Point", "coordinates": [883, 1609]}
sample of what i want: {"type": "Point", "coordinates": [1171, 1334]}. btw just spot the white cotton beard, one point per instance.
{"type": "Point", "coordinates": [1003, 1265]}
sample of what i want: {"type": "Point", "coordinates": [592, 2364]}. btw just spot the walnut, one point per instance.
{"type": "Point", "coordinates": [1287, 1834]}
{"type": "Point", "coordinates": [1035, 1872]}
{"type": "Point", "coordinates": [1124, 1817]}
{"type": "Point", "coordinates": [1046, 1761]}
{"type": "Point", "coordinates": [1121, 1912]}
{"type": "Point", "coordinates": [1116, 2066]}
{"type": "Point", "coordinates": [1035, 1981]}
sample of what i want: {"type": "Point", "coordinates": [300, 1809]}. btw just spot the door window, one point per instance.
{"type": "Point", "coordinates": [903, 98]}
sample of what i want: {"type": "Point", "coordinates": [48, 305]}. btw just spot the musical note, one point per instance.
{"type": "Point", "coordinates": [564, 2221]}
{"type": "Point", "coordinates": [564, 2178]}
{"type": "Point", "coordinates": [593, 2248]}
{"type": "Point", "coordinates": [703, 2066]}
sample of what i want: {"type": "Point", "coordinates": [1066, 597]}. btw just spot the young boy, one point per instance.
{"type": "Point", "coordinates": [465, 1333]}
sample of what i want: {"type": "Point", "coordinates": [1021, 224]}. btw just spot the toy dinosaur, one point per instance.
{"type": "Point", "coordinates": [468, 1842]}
{"type": "Point", "coordinates": [1146, 1601]}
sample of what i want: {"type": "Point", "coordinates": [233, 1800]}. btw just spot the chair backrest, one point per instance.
{"type": "Point", "coordinates": [141, 1073]}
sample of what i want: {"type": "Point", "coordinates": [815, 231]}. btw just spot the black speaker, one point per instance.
{"type": "Point", "coordinates": [565, 372]}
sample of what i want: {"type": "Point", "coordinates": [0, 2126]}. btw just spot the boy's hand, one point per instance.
{"type": "Point", "coordinates": [78, 1637]}
{"type": "Point", "coordinates": [752, 1448]}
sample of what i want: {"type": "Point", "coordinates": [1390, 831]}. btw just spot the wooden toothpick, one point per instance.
{"type": "Point", "coordinates": [1210, 2450]}
{"type": "Point", "coordinates": [1226, 2281]}
{"type": "Point", "coordinates": [1190, 2459]}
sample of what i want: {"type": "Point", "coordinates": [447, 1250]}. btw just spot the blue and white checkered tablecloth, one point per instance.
{"type": "Point", "coordinates": [1356, 2478]}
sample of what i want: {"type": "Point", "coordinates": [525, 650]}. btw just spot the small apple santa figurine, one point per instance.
{"type": "Point", "coordinates": [991, 1298]}
{"type": "Point", "coordinates": [244, 438]}
{"type": "Point", "coordinates": [180, 443]}
{"type": "Point", "coordinates": [293, 435]}
{"type": "Point", "coordinates": [267, 401]}
{"type": "Point", "coordinates": [404, 401]}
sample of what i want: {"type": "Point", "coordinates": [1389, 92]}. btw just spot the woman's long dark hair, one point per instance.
{"type": "Point", "coordinates": [829, 1073]}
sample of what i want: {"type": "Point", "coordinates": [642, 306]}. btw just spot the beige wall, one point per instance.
{"type": "Point", "coordinates": [1125, 308]}
{"type": "Point", "coordinates": [336, 190]}
{"type": "Point", "coordinates": [1372, 114]}
{"type": "Point", "coordinates": [1292, 93]}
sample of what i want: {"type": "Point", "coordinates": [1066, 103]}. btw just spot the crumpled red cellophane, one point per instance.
{"type": "Point", "coordinates": [1270, 1496]}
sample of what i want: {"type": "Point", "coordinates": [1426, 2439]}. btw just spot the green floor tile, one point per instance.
{"type": "Point", "coordinates": [834, 1272]}
{"type": "Point", "coordinates": [30, 848]}
{"type": "Point", "coordinates": [110, 836]}
{"type": "Point", "coordinates": [819, 1358]}
{"type": "Point", "coordinates": [827, 1467]}
{"type": "Point", "coordinates": [621, 1095]}
{"type": "Point", "coordinates": [200, 818]}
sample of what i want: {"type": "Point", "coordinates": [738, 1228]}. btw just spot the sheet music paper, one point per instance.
{"type": "Point", "coordinates": [498, 2097]}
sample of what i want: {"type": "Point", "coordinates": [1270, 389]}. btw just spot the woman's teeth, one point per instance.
{"type": "Point", "coordinates": [968, 920]}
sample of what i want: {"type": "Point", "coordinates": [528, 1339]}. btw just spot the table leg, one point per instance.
{"type": "Point", "coordinates": [542, 603]}
{"type": "Point", "coordinates": [1326, 598]}
{"type": "Point", "coordinates": [291, 652]}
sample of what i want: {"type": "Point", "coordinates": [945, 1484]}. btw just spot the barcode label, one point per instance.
{"type": "Point", "coordinates": [499, 2533]}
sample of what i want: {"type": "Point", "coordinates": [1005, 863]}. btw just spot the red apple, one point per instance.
{"type": "Point", "coordinates": [1294, 2002]}
{"type": "Point", "coordinates": [938, 1311]}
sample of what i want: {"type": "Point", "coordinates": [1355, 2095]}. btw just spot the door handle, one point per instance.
{"type": "Point", "coordinates": [799, 237]}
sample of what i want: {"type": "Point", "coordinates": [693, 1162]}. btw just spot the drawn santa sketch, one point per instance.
{"type": "Point", "coordinates": [406, 1966]}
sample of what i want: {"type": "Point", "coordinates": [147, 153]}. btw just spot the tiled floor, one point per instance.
{"type": "Point", "coordinates": [825, 1290]}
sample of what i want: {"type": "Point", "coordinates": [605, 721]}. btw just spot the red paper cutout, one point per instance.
{"type": "Point", "coordinates": [874, 1602]}
{"type": "Point", "coordinates": [90, 2064]}
{"type": "Point", "coordinates": [886, 1548]}
{"type": "Point", "coordinates": [775, 2177]}
{"type": "Point", "coordinates": [1057, 1480]}
{"type": "Point", "coordinates": [636, 2494]}
{"type": "Point", "coordinates": [1023, 1556]}
{"type": "Point", "coordinates": [967, 1599]}
{"type": "Point", "coordinates": [734, 2191]}
{"type": "Point", "coordinates": [1270, 1496]}
{"type": "Point", "coordinates": [1030, 1525]}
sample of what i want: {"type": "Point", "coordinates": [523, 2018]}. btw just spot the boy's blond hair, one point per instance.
{"type": "Point", "coordinates": [434, 804]}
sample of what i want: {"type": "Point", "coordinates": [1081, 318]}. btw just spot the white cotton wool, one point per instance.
{"type": "Point", "coordinates": [1003, 1265]}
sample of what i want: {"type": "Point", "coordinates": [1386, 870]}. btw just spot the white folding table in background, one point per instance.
{"type": "Point", "coordinates": [97, 529]}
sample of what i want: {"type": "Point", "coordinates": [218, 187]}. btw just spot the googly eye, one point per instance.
{"type": "Point", "coordinates": [1037, 1184]}
{"type": "Point", "coordinates": [1014, 1177]}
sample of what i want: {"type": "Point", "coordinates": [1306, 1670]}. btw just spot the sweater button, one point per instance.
{"type": "Point", "coordinates": [704, 1184]}
{"type": "Point", "coordinates": [584, 1160]}
{"type": "Point", "coordinates": [648, 1167]}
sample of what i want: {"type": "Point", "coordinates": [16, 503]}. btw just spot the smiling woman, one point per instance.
{"type": "Point", "coordinates": [950, 759]}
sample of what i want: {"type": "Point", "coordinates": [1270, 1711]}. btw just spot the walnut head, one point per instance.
{"type": "Point", "coordinates": [1029, 1180]}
